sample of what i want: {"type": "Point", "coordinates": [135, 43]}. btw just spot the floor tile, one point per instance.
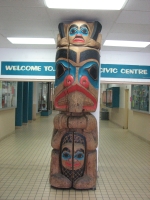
{"type": "Point", "coordinates": [123, 165]}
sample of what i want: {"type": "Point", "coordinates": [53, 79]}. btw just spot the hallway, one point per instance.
{"type": "Point", "coordinates": [123, 166]}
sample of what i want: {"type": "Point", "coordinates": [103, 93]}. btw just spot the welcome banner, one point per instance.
{"type": "Point", "coordinates": [28, 68]}
{"type": "Point", "coordinates": [48, 69]}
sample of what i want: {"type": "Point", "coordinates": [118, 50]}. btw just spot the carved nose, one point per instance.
{"type": "Point", "coordinates": [68, 80]}
{"type": "Point", "coordinates": [84, 81]}
{"type": "Point", "coordinates": [78, 34]}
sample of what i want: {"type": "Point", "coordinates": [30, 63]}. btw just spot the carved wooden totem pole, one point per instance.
{"type": "Point", "coordinates": [75, 136]}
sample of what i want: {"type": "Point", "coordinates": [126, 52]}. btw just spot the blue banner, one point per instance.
{"type": "Point", "coordinates": [125, 71]}
{"type": "Point", "coordinates": [28, 68]}
{"type": "Point", "coordinates": [48, 69]}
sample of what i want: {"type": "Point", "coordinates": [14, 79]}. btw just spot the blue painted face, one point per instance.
{"type": "Point", "coordinates": [90, 70]}
{"type": "Point", "coordinates": [78, 34]}
{"type": "Point", "coordinates": [83, 30]}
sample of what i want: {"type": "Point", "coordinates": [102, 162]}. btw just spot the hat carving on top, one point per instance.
{"type": "Point", "coordinates": [80, 33]}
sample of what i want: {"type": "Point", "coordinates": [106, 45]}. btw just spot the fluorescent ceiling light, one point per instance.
{"type": "Point", "coordinates": [88, 4]}
{"type": "Point", "coordinates": [31, 40]}
{"type": "Point", "coordinates": [120, 43]}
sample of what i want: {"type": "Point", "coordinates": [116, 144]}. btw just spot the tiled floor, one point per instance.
{"type": "Point", "coordinates": [123, 172]}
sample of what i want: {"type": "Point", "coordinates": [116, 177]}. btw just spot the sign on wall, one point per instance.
{"type": "Point", "coordinates": [48, 69]}
{"type": "Point", "coordinates": [28, 68]}
{"type": "Point", "coordinates": [125, 71]}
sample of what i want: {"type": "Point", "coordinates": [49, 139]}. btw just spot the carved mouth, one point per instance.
{"type": "Point", "coordinates": [78, 39]}
{"type": "Point", "coordinates": [68, 164]}
{"type": "Point", "coordinates": [61, 103]}
{"type": "Point", "coordinates": [75, 164]}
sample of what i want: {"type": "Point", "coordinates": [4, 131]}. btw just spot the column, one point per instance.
{"type": "Point", "coordinates": [30, 101]}
{"type": "Point", "coordinates": [25, 101]}
{"type": "Point", "coordinates": [19, 109]}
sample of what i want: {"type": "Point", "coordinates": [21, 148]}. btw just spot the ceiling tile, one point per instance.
{"type": "Point", "coordinates": [25, 25]}
{"type": "Point", "coordinates": [31, 18]}
{"type": "Point", "coordinates": [26, 33]}
{"type": "Point", "coordinates": [19, 13]}
{"type": "Point", "coordinates": [33, 3]}
{"type": "Point", "coordinates": [138, 5]}
{"type": "Point", "coordinates": [131, 29]}
{"type": "Point", "coordinates": [10, 3]}
{"type": "Point", "coordinates": [128, 37]}
{"type": "Point", "coordinates": [134, 17]}
{"type": "Point", "coordinates": [19, 3]}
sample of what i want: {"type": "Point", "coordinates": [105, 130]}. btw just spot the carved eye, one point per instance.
{"type": "Point", "coordinates": [84, 31]}
{"type": "Point", "coordinates": [79, 155]}
{"type": "Point", "coordinates": [60, 70]}
{"type": "Point", "coordinates": [73, 31]}
{"type": "Point", "coordinates": [66, 155]}
{"type": "Point", "coordinates": [93, 72]}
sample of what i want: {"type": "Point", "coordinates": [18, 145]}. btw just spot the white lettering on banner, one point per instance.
{"type": "Point", "coordinates": [49, 68]}
{"type": "Point", "coordinates": [133, 71]}
{"type": "Point", "coordinates": [22, 68]}
{"type": "Point", "coordinates": [109, 70]}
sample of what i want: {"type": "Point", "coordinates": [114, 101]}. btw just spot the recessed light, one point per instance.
{"type": "Point", "coordinates": [122, 43]}
{"type": "Point", "coordinates": [88, 4]}
{"type": "Point", "coordinates": [15, 40]}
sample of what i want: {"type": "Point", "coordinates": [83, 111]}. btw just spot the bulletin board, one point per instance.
{"type": "Point", "coordinates": [140, 97]}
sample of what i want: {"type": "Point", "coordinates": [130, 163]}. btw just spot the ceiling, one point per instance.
{"type": "Point", "coordinates": [31, 18]}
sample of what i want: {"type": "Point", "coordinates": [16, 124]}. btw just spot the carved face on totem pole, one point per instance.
{"type": "Point", "coordinates": [73, 158]}
{"type": "Point", "coordinates": [77, 68]}
{"type": "Point", "coordinates": [78, 33]}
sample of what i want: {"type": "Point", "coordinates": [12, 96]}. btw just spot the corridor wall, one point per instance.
{"type": "Point", "coordinates": [48, 55]}
{"type": "Point", "coordinates": [7, 122]}
{"type": "Point", "coordinates": [138, 123]}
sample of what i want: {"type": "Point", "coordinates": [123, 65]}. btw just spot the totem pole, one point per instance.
{"type": "Point", "coordinates": [75, 136]}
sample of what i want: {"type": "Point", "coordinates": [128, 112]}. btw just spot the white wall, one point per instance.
{"type": "Point", "coordinates": [130, 58]}
{"type": "Point", "coordinates": [48, 55]}
{"type": "Point", "coordinates": [41, 55]}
